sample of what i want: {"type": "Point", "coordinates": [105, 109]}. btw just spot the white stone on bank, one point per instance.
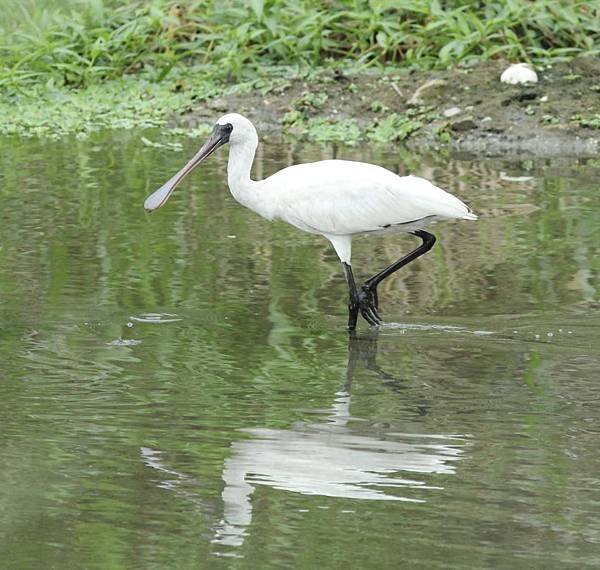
{"type": "Point", "coordinates": [519, 73]}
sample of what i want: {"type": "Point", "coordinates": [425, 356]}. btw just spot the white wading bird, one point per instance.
{"type": "Point", "coordinates": [334, 198]}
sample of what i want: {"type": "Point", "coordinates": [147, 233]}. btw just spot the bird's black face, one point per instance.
{"type": "Point", "coordinates": [219, 136]}
{"type": "Point", "coordinates": [224, 131]}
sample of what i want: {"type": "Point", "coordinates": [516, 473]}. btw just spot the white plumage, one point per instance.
{"type": "Point", "coordinates": [333, 198]}
{"type": "Point", "coordinates": [346, 197]}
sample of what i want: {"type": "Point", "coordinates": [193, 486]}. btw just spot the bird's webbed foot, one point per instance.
{"type": "Point", "coordinates": [368, 305]}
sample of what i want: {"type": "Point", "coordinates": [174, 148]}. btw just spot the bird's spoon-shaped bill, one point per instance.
{"type": "Point", "coordinates": [160, 196]}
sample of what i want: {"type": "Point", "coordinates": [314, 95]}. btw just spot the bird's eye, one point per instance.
{"type": "Point", "coordinates": [229, 127]}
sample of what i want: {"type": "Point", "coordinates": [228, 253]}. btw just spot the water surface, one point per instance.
{"type": "Point", "coordinates": [178, 390]}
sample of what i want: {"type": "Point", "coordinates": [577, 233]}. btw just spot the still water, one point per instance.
{"type": "Point", "coordinates": [178, 390]}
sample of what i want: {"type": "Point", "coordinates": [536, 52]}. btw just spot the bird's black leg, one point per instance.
{"type": "Point", "coordinates": [353, 298]}
{"type": "Point", "coordinates": [369, 289]}
{"type": "Point", "coordinates": [359, 301]}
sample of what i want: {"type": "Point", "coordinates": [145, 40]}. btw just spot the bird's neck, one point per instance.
{"type": "Point", "coordinates": [248, 192]}
{"type": "Point", "coordinates": [241, 157]}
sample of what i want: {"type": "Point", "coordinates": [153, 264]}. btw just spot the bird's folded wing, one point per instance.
{"type": "Point", "coordinates": [343, 197]}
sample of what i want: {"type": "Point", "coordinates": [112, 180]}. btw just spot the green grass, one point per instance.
{"type": "Point", "coordinates": [37, 16]}
{"type": "Point", "coordinates": [92, 41]}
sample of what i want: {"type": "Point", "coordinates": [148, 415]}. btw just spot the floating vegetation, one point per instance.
{"type": "Point", "coordinates": [394, 127]}
{"type": "Point", "coordinates": [120, 104]}
{"type": "Point", "coordinates": [327, 130]}
{"type": "Point", "coordinates": [130, 102]}
{"type": "Point", "coordinates": [591, 122]}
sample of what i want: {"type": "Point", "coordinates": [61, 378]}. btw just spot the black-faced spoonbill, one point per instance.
{"type": "Point", "coordinates": [334, 198]}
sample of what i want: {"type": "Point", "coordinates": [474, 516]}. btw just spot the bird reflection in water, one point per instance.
{"type": "Point", "coordinates": [340, 457]}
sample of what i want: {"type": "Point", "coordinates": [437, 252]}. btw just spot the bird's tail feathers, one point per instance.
{"type": "Point", "coordinates": [469, 216]}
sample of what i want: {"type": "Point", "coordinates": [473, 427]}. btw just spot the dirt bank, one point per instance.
{"type": "Point", "coordinates": [468, 110]}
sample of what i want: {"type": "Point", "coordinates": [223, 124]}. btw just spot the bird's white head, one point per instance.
{"type": "Point", "coordinates": [241, 130]}
{"type": "Point", "coordinates": [231, 128]}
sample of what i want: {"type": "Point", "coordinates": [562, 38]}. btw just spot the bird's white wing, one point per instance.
{"type": "Point", "coordinates": [341, 197]}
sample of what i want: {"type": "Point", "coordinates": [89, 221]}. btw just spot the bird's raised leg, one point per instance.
{"type": "Point", "coordinates": [369, 289]}
{"type": "Point", "coordinates": [359, 301]}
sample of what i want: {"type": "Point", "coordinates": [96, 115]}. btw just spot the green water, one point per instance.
{"type": "Point", "coordinates": [178, 390]}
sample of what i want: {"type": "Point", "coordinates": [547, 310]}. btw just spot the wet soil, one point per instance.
{"type": "Point", "coordinates": [466, 109]}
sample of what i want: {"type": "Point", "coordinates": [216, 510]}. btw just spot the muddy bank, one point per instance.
{"type": "Point", "coordinates": [466, 110]}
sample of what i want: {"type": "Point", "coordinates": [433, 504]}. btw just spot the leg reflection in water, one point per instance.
{"type": "Point", "coordinates": [339, 456]}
